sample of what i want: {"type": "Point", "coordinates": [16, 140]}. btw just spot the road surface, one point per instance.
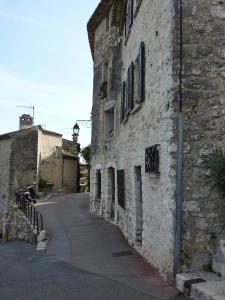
{"type": "Point", "coordinates": [86, 258]}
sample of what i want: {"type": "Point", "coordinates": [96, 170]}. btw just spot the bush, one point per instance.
{"type": "Point", "coordinates": [42, 184]}
{"type": "Point", "coordinates": [215, 163]}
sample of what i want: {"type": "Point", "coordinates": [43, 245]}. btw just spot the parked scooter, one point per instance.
{"type": "Point", "coordinates": [26, 193]}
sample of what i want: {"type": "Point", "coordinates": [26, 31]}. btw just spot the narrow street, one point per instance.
{"type": "Point", "coordinates": [85, 259]}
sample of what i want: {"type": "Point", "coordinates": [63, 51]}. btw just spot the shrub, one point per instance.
{"type": "Point", "coordinates": [42, 184]}
{"type": "Point", "coordinates": [215, 163]}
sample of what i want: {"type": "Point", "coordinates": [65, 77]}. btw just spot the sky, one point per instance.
{"type": "Point", "coordinates": [45, 62]}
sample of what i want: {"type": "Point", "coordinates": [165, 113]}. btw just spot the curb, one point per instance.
{"type": "Point", "coordinates": [201, 286]}
{"type": "Point", "coordinates": [42, 241]}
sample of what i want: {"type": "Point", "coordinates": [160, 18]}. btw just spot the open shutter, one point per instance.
{"type": "Point", "coordinates": [130, 5]}
{"type": "Point", "coordinates": [141, 79]}
{"type": "Point", "coordinates": [123, 101]}
{"type": "Point", "coordinates": [130, 76]}
{"type": "Point", "coordinates": [126, 99]}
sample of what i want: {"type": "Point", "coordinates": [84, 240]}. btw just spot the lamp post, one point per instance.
{"type": "Point", "coordinates": [76, 130]}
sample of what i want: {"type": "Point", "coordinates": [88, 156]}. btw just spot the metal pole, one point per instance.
{"type": "Point", "coordinates": [34, 217]}
{"type": "Point", "coordinates": [37, 222]}
{"type": "Point", "coordinates": [179, 169]}
{"type": "Point", "coordinates": [42, 224]}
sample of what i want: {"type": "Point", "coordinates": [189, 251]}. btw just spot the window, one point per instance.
{"type": "Point", "coordinates": [128, 20]}
{"type": "Point", "coordinates": [141, 79]}
{"type": "Point", "coordinates": [133, 90]}
{"type": "Point", "coordinates": [130, 88]}
{"type": "Point", "coordinates": [56, 151]}
{"type": "Point", "coordinates": [123, 99]}
{"type": "Point", "coordinates": [98, 184]}
{"type": "Point", "coordinates": [109, 124]}
{"type": "Point", "coordinates": [152, 159]}
{"type": "Point", "coordinates": [130, 5]}
{"type": "Point", "coordinates": [104, 85]}
{"type": "Point", "coordinates": [121, 187]}
{"type": "Point", "coordinates": [127, 101]}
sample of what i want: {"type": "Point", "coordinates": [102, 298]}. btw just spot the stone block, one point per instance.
{"type": "Point", "coordinates": [213, 290]}
{"type": "Point", "coordinates": [41, 246]}
{"type": "Point", "coordinates": [42, 236]}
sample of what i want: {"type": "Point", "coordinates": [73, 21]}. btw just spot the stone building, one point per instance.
{"type": "Point", "coordinates": [158, 109]}
{"type": "Point", "coordinates": [29, 154]}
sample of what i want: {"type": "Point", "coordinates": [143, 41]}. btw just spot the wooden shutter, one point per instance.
{"type": "Point", "coordinates": [130, 5]}
{"type": "Point", "coordinates": [121, 187]}
{"type": "Point", "coordinates": [130, 77]}
{"type": "Point", "coordinates": [141, 79]}
{"type": "Point", "coordinates": [123, 100]}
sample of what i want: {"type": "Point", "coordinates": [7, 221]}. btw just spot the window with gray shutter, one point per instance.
{"type": "Point", "coordinates": [123, 99]}
{"type": "Point", "coordinates": [130, 87]}
{"type": "Point", "coordinates": [130, 5]}
{"type": "Point", "coordinates": [141, 80]}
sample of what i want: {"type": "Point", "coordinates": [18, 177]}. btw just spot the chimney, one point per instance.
{"type": "Point", "coordinates": [26, 121]}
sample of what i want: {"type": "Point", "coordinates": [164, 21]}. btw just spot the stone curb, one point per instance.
{"type": "Point", "coordinates": [212, 289]}
{"type": "Point", "coordinates": [42, 241]}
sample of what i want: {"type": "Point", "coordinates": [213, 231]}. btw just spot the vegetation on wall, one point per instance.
{"type": "Point", "coordinates": [215, 163]}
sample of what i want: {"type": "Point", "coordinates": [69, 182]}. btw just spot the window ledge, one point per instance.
{"type": "Point", "coordinates": [153, 174]}
{"type": "Point", "coordinates": [137, 8]}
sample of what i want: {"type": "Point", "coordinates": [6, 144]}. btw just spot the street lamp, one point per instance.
{"type": "Point", "coordinates": [76, 130]}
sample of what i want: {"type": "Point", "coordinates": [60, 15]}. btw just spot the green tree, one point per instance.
{"type": "Point", "coordinates": [86, 154]}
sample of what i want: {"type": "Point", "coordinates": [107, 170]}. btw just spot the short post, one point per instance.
{"type": "Point", "coordinates": [42, 224]}
{"type": "Point", "coordinates": [34, 217]}
{"type": "Point", "coordinates": [37, 222]}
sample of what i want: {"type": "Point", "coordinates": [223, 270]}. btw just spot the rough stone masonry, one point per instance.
{"type": "Point", "coordinates": [149, 217]}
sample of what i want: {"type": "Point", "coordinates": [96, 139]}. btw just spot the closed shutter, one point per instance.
{"type": "Point", "coordinates": [141, 79]}
{"type": "Point", "coordinates": [130, 77]}
{"type": "Point", "coordinates": [121, 188]}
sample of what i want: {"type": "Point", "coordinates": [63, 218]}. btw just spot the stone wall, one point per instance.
{"type": "Point", "coordinates": [50, 158]}
{"type": "Point", "coordinates": [148, 124]}
{"type": "Point", "coordinates": [21, 228]}
{"type": "Point", "coordinates": [23, 160]}
{"type": "Point", "coordinates": [203, 108]}
{"type": "Point", "coordinates": [70, 168]}
{"type": "Point", "coordinates": [5, 152]}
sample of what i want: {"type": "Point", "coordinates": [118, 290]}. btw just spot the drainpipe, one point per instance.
{"type": "Point", "coordinates": [179, 168]}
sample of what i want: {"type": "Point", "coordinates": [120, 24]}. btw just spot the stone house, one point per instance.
{"type": "Point", "coordinates": [32, 153]}
{"type": "Point", "coordinates": [158, 109]}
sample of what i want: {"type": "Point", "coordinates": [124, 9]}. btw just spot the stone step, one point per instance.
{"type": "Point", "coordinates": [211, 290]}
{"type": "Point", "coordinates": [213, 287]}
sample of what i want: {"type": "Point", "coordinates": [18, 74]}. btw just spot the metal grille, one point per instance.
{"type": "Point", "coordinates": [152, 159]}
{"type": "Point", "coordinates": [121, 187]}
{"type": "Point", "coordinates": [122, 253]}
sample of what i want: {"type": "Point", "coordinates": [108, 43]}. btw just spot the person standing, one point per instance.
{"type": "Point", "coordinates": [6, 226]}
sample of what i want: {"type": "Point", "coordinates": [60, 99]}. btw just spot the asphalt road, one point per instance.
{"type": "Point", "coordinates": [81, 261]}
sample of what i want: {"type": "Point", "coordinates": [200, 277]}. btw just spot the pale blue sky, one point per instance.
{"type": "Point", "coordinates": [45, 61]}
